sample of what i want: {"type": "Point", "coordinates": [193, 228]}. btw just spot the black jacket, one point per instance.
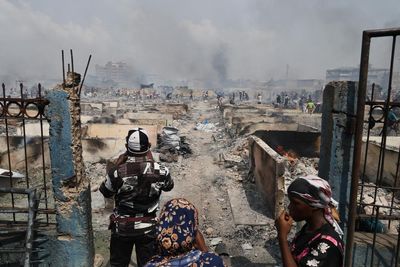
{"type": "Point", "coordinates": [136, 185]}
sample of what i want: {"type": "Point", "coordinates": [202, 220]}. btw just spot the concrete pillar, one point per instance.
{"type": "Point", "coordinates": [337, 139]}
{"type": "Point", "coordinates": [74, 245]}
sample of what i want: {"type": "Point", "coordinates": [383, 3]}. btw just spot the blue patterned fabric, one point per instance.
{"type": "Point", "coordinates": [176, 232]}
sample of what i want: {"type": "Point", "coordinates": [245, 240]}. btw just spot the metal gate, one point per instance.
{"type": "Point", "coordinates": [26, 205]}
{"type": "Point", "coordinates": [373, 228]}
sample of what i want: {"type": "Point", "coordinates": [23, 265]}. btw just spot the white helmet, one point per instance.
{"type": "Point", "coordinates": [137, 141]}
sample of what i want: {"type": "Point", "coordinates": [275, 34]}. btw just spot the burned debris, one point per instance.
{"type": "Point", "coordinates": [171, 145]}
{"type": "Point", "coordinates": [233, 152]}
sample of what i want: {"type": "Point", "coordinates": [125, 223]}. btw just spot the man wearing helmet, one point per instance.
{"type": "Point", "coordinates": [135, 182]}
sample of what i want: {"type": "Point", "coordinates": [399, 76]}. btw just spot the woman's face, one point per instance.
{"type": "Point", "coordinates": [299, 210]}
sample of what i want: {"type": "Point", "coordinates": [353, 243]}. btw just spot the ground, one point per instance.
{"type": "Point", "coordinates": [205, 181]}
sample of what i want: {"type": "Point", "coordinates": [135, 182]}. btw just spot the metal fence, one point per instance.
{"type": "Point", "coordinates": [26, 203]}
{"type": "Point", "coordinates": [373, 228]}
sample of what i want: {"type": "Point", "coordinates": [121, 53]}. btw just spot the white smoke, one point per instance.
{"type": "Point", "coordinates": [183, 40]}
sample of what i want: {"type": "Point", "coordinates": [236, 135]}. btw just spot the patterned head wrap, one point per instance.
{"type": "Point", "coordinates": [317, 193]}
{"type": "Point", "coordinates": [175, 236]}
{"type": "Point", "coordinates": [177, 227]}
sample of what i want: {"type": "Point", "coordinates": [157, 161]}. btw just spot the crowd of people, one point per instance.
{"type": "Point", "coordinates": [173, 238]}
{"type": "Point", "coordinates": [294, 100]}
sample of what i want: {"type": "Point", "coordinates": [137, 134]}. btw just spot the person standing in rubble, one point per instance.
{"type": "Point", "coordinates": [205, 95]}
{"type": "Point", "coordinates": [259, 98]}
{"type": "Point", "coordinates": [278, 100]}
{"type": "Point", "coordinates": [319, 242]}
{"type": "Point", "coordinates": [136, 183]}
{"type": "Point", "coordinates": [286, 101]}
{"type": "Point", "coordinates": [219, 102]}
{"type": "Point", "coordinates": [310, 106]}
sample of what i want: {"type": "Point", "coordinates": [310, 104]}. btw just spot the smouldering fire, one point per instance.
{"type": "Point", "coordinates": [290, 155]}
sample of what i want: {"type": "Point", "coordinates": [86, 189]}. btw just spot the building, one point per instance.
{"type": "Point", "coordinates": [118, 72]}
{"type": "Point", "coordinates": [378, 76]}
{"type": "Point", "coordinates": [295, 85]}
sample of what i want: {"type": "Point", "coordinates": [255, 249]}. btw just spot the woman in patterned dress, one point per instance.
{"type": "Point", "coordinates": [319, 242]}
{"type": "Point", "coordinates": [180, 243]}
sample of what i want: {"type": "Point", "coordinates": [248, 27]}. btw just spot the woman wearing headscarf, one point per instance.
{"type": "Point", "coordinates": [180, 243]}
{"type": "Point", "coordinates": [319, 242]}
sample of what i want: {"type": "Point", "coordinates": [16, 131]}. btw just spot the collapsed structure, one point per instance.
{"type": "Point", "coordinates": [52, 212]}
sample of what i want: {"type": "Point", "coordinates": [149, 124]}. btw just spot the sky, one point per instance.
{"type": "Point", "coordinates": [187, 39]}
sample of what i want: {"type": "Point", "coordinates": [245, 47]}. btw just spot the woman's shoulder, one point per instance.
{"type": "Point", "coordinates": [328, 235]}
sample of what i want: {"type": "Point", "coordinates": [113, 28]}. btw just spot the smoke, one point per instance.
{"type": "Point", "coordinates": [220, 64]}
{"type": "Point", "coordinates": [212, 41]}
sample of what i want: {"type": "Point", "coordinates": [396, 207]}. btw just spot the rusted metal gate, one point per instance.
{"type": "Point", "coordinates": [379, 245]}
{"type": "Point", "coordinates": [25, 194]}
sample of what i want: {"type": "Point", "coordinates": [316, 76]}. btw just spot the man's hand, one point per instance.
{"type": "Point", "coordinates": [283, 224]}
{"type": "Point", "coordinates": [115, 180]}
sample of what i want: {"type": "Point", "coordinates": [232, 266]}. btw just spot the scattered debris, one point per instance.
{"type": "Point", "coordinates": [205, 126]}
{"type": "Point", "coordinates": [6, 174]}
{"type": "Point", "coordinates": [221, 250]}
{"type": "Point", "coordinates": [247, 246]}
{"type": "Point", "coordinates": [171, 145]}
{"type": "Point", "coordinates": [170, 138]}
{"type": "Point", "coordinates": [209, 231]}
{"type": "Point", "coordinates": [215, 241]}
{"type": "Point", "coordinates": [300, 167]}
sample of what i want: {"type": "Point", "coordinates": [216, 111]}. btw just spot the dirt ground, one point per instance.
{"type": "Point", "coordinates": [205, 181]}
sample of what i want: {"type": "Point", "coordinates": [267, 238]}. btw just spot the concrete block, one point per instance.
{"type": "Point", "coordinates": [391, 157]}
{"type": "Point", "coordinates": [337, 138]}
{"type": "Point", "coordinates": [268, 168]}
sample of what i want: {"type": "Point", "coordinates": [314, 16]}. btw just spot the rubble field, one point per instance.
{"type": "Point", "coordinates": [215, 168]}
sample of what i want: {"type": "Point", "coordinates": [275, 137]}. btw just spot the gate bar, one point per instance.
{"type": "Point", "coordinates": [355, 175]}
{"type": "Point", "coordinates": [23, 128]}
{"type": "Point", "coordinates": [362, 86]}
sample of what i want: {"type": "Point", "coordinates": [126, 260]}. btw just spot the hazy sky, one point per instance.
{"type": "Point", "coordinates": [187, 39]}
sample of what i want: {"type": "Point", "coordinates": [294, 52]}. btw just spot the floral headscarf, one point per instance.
{"type": "Point", "coordinates": [175, 237]}
{"type": "Point", "coordinates": [177, 228]}
{"type": "Point", "coordinates": [316, 192]}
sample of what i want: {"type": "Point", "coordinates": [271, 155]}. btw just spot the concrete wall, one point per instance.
{"type": "Point", "coordinates": [313, 120]}
{"type": "Point", "coordinates": [111, 104]}
{"type": "Point", "coordinates": [268, 168]}
{"type": "Point", "coordinates": [109, 130]}
{"type": "Point", "coordinates": [142, 118]}
{"type": "Point", "coordinates": [92, 108]}
{"type": "Point", "coordinates": [337, 139]}
{"type": "Point", "coordinates": [176, 110]}
{"type": "Point", "coordinates": [265, 126]}
{"type": "Point", "coordinates": [71, 187]}
{"type": "Point", "coordinates": [118, 131]}
{"type": "Point", "coordinates": [391, 159]}
{"type": "Point", "coordinates": [93, 150]}
{"type": "Point", "coordinates": [33, 129]}
{"type": "Point", "coordinates": [306, 128]}
{"type": "Point", "coordinates": [303, 144]}
{"type": "Point", "coordinates": [97, 150]}
{"type": "Point", "coordinates": [245, 120]}
{"type": "Point", "coordinates": [17, 155]}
